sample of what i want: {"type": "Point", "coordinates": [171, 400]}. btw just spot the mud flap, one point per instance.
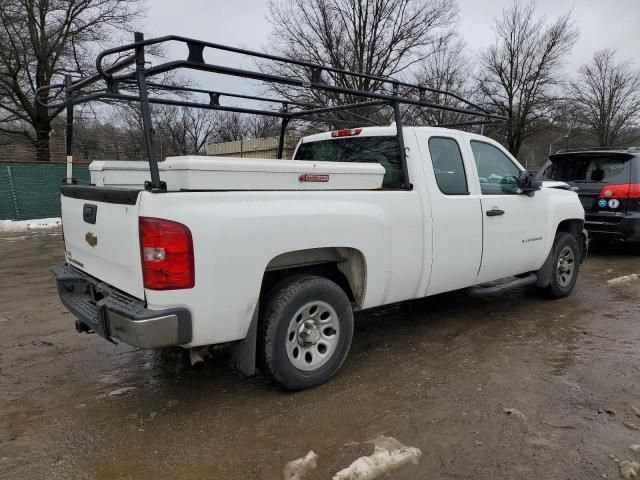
{"type": "Point", "coordinates": [544, 274]}
{"type": "Point", "coordinates": [584, 245]}
{"type": "Point", "coordinates": [244, 351]}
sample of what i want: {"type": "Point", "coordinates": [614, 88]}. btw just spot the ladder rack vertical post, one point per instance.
{"type": "Point", "coordinates": [283, 133]}
{"type": "Point", "coordinates": [401, 150]}
{"type": "Point", "coordinates": [156, 185]}
{"type": "Point", "coordinates": [68, 136]}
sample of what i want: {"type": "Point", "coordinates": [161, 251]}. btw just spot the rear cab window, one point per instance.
{"type": "Point", "coordinates": [378, 149]}
{"type": "Point", "coordinates": [588, 169]}
{"type": "Point", "coordinates": [448, 166]}
{"type": "Point", "coordinates": [590, 173]}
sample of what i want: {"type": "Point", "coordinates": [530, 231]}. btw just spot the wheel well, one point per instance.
{"type": "Point", "coordinates": [344, 266]}
{"type": "Point", "coordinates": [572, 226]}
{"type": "Point", "coordinates": [575, 227]}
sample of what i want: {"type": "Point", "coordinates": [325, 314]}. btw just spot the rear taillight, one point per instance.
{"type": "Point", "coordinates": [166, 249]}
{"type": "Point", "coordinates": [346, 132]}
{"type": "Point", "coordinates": [626, 190]}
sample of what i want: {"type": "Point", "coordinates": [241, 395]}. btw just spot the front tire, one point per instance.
{"type": "Point", "coordinates": [566, 265]}
{"type": "Point", "coordinates": [306, 331]}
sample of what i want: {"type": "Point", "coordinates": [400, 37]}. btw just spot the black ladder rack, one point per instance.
{"type": "Point", "coordinates": [116, 86]}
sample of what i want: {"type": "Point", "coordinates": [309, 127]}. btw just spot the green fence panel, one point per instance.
{"type": "Point", "coordinates": [7, 204]}
{"type": "Point", "coordinates": [32, 190]}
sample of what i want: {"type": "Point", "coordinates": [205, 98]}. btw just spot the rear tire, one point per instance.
{"type": "Point", "coordinates": [566, 265]}
{"type": "Point", "coordinates": [305, 331]}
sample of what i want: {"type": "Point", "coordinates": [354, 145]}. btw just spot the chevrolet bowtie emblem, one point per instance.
{"type": "Point", "coordinates": [91, 239]}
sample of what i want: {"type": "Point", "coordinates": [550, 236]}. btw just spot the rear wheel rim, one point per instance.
{"type": "Point", "coordinates": [313, 335]}
{"type": "Point", "coordinates": [565, 267]}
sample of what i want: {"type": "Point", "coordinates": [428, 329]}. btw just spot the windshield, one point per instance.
{"type": "Point", "coordinates": [382, 150]}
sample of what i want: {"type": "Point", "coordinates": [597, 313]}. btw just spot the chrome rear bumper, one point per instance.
{"type": "Point", "coordinates": [115, 315]}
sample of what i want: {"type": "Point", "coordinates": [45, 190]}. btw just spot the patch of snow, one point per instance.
{"type": "Point", "coordinates": [121, 391]}
{"type": "Point", "coordinates": [35, 224]}
{"type": "Point", "coordinates": [388, 454]}
{"type": "Point", "coordinates": [629, 469]}
{"type": "Point", "coordinates": [299, 468]}
{"type": "Point", "coordinates": [634, 277]}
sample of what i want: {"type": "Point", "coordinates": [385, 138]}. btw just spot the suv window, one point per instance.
{"type": "Point", "coordinates": [587, 169]}
{"type": "Point", "coordinates": [382, 150]}
{"type": "Point", "coordinates": [448, 166]}
{"type": "Point", "coordinates": [498, 174]}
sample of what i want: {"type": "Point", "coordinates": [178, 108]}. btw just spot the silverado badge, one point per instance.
{"type": "Point", "coordinates": [91, 239]}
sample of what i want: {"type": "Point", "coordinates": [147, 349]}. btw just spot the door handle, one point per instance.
{"type": "Point", "coordinates": [89, 212]}
{"type": "Point", "coordinates": [494, 212]}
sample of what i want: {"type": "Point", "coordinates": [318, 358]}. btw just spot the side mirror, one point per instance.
{"type": "Point", "coordinates": [529, 182]}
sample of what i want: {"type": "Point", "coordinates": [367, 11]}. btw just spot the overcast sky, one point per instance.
{"type": "Point", "coordinates": [602, 23]}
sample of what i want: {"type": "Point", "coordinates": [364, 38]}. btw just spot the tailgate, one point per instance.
{"type": "Point", "coordinates": [101, 235]}
{"type": "Point", "coordinates": [589, 196]}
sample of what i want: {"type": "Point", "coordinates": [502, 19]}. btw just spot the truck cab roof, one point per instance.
{"type": "Point", "coordinates": [388, 130]}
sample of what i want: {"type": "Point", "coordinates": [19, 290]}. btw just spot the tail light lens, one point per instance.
{"type": "Point", "coordinates": [346, 132]}
{"type": "Point", "coordinates": [166, 249]}
{"type": "Point", "coordinates": [626, 190]}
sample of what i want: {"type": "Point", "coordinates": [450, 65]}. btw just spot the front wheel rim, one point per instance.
{"type": "Point", "coordinates": [313, 335]}
{"type": "Point", "coordinates": [565, 267]}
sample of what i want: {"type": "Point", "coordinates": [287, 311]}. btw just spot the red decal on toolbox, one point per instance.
{"type": "Point", "coordinates": [306, 177]}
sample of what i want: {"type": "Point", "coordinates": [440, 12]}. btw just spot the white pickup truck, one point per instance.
{"type": "Point", "coordinates": [274, 256]}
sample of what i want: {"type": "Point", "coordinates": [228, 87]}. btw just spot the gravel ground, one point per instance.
{"type": "Point", "coordinates": [514, 386]}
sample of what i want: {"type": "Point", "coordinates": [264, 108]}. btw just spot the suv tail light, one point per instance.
{"type": "Point", "coordinates": [626, 190]}
{"type": "Point", "coordinates": [346, 132]}
{"type": "Point", "coordinates": [166, 249]}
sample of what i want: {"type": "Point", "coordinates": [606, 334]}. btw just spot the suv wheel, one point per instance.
{"type": "Point", "coordinates": [306, 331]}
{"type": "Point", "coordinates": [566, 264]}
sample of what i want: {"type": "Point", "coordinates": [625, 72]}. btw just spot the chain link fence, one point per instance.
{"type": "Point", "coordinates": [31, 190]}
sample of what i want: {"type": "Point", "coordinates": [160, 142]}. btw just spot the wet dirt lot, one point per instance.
{"type": "Point", "coordinates": [436, 374]}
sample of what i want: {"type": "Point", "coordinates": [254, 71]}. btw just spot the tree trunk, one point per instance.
{"type": "Point", "coordinates": [513, 142]}
{"type": "Point", "coordinates": [43, 128]}
{"type": "Point", "coordinates": [603, 137]}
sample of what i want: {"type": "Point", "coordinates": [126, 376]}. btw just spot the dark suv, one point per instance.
{"type": "Point", "coordinates": [608, 184]}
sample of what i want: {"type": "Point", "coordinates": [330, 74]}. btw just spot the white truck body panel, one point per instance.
{"type": "Point", "coordinates": [222, 173]}
{"type": "Point", "coordinates": [245, 231]}
{"type": "Point", "coordinates": [248, 212]}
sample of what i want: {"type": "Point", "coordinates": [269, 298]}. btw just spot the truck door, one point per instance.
{"type": "Point", "coordinates": [455, 213]}
{"type": "Point", "coordinates": [514, 224]}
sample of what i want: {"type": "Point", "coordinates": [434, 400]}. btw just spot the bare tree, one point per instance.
{"type": "Point", "coordinates": [606, 97]}
{"type": "Point", "coordinates": [231, 126]}
{"type": "Point", "coordinates": [375, 37]}
{"type": "Point", "coordinates": [184, 131]}
{"type": "Point", "coordinates": [448, 69]}
{"type": "Point", "coordinates": [520, 71]}
{"type": "Point", "coordinates": [39, 42]}
{"type": "Point", "coordinates": [261, 126]}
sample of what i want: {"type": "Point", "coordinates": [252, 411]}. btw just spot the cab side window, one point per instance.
{"type": "Point", "coordinates": [498, 174]}
{"type": "Point", "coordinates": [448, 166]}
